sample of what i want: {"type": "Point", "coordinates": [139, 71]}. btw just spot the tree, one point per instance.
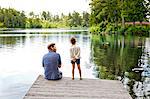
{"type": "Point", "coordinates": [31, 14]}
{"type": "Point", "coordinates": [111, 12]}
{"type": "Point", "coordinates": [12, 18]}
{"type": "Point", "coordinates": [76, 19]}
{"type": "Point", "coordinates": [44, 15]}
{"type": "Point", "coordinates": [85, 19]}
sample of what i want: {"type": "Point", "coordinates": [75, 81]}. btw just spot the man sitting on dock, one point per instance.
{"type": "Point", "coordinates": [51, 62]}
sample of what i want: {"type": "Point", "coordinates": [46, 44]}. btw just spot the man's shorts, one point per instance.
{"type": "Point", "coordinates": [59, 75]}
{"type": "Point", "coordinates": [77, 61]}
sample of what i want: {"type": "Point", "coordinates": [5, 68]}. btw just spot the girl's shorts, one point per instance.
{"type": "Point", "coordinates": [77, 61]}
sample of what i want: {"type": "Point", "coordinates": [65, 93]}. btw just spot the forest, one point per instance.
{"type": "Point", "coordinates": [11, 18]}
{"type": "Point", "coordinates": [114, 15]}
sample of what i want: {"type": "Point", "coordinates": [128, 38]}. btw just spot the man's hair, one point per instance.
{"type": "Point", "coordinates": [73, 40]}
{"type": "Point", "coordinates": [51, 45]}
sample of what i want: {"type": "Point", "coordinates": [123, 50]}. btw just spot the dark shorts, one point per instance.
{"type": "Point", "coordinates": [77, 61]}
{"type": "Point", "coordinates": [58, 77]}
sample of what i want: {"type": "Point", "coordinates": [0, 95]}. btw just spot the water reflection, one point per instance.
{"type": "Point", "coordinates": [11, 41]}
{"type": "Point", "coordinates": [125, 58]}
{"type": "Point", "coordinates": [21, 54]}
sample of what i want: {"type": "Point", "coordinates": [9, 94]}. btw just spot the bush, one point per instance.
{"type": "Point", "coordinates": [95, 29]}
{"type": "Point", "coordinates": [138, 30]}
{"type": "Point", "coordinates": [1, 25]}
{"type": "Point", "coordinates": [109, 28]}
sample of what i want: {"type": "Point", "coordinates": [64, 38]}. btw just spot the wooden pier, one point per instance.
{"type": "Point", "coordinates": [66, 88]}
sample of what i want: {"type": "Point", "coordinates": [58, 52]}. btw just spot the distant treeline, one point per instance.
{"type": "Point", "coordinates": [11, 18]}
{"type": "Point", "coordinates": [111, 15]}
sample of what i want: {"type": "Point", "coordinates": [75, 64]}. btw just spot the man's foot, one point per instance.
{"type": "Point", "coordinates": [72, 78]}
{"type": "Point", "coordinates": [80, 78]}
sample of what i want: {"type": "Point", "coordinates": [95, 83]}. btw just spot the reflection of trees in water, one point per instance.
{"type": "Point", "coordinates": [11, 41]}
{"type": "Point", "coordinates": [116, 56]}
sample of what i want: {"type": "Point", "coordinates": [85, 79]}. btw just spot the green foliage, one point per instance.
{"type": "Point", "coordinates": [75, 19]}
{"type": "Point", "coordinates": [138, 30]}
{"type": "Point", "coordinates": [1, 25]}
{"type": "Point", "coordinates": [85, 19]}
{"type": "Point", "coordinates": [95, 29]}
{"type": "Point", "coordinates": [109, 14]}
{"type": "Point", "coordinates": [11, 18]}
{"type": "Point", "coordinates": [33, 23]}
{"type": "Point", "coordinates": [109, 27]}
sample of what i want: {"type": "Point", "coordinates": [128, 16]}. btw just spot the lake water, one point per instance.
{"type": "Point", "coordinates": [105, 57]}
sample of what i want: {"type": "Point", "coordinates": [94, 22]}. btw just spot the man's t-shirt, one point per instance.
{"type": "Point", "coordinates": [50, 62]}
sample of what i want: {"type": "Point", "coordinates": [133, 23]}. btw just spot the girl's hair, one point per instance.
{"type": "Point", "coordinates": [73, 40]}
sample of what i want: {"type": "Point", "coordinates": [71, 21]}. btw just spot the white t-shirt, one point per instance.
{"type": "Point", "coordinates": [74, 52]}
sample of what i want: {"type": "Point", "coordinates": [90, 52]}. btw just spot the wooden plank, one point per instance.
{"type": "Point", "coordinates": [66, 88]}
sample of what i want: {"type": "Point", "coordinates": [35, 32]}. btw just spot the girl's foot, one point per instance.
{"type": "Point", "coordinates": [72, 78]}
{"type": "Point", "coordinates": [80, 78]}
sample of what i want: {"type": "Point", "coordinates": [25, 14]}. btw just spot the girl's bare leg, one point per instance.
{"type": "Point", "coordinates": [73, 67]}
{"type": "Point", "coordinates": [79, 71]}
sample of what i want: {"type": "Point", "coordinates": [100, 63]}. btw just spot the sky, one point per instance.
{"type": "Point", "coordinates": [54, 6]}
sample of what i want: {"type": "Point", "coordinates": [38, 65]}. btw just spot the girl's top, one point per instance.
{"type": "Point", "coordinates": [74, 52]}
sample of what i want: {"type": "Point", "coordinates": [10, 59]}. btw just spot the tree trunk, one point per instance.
{"type": "Point", "coordinates": [123, 22]}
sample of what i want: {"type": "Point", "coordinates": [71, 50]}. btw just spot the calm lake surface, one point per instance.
{"type": "Point", "coordinates": [125, 58]}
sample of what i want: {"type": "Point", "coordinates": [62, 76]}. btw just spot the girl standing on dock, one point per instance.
{"type": "Point", "coordinates": [75, 56]}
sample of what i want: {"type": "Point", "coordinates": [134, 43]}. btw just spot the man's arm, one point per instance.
{"type": "Point", "coordinates": [43, 62]}
{"type": "Point", "coordinates": [59, 61]}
